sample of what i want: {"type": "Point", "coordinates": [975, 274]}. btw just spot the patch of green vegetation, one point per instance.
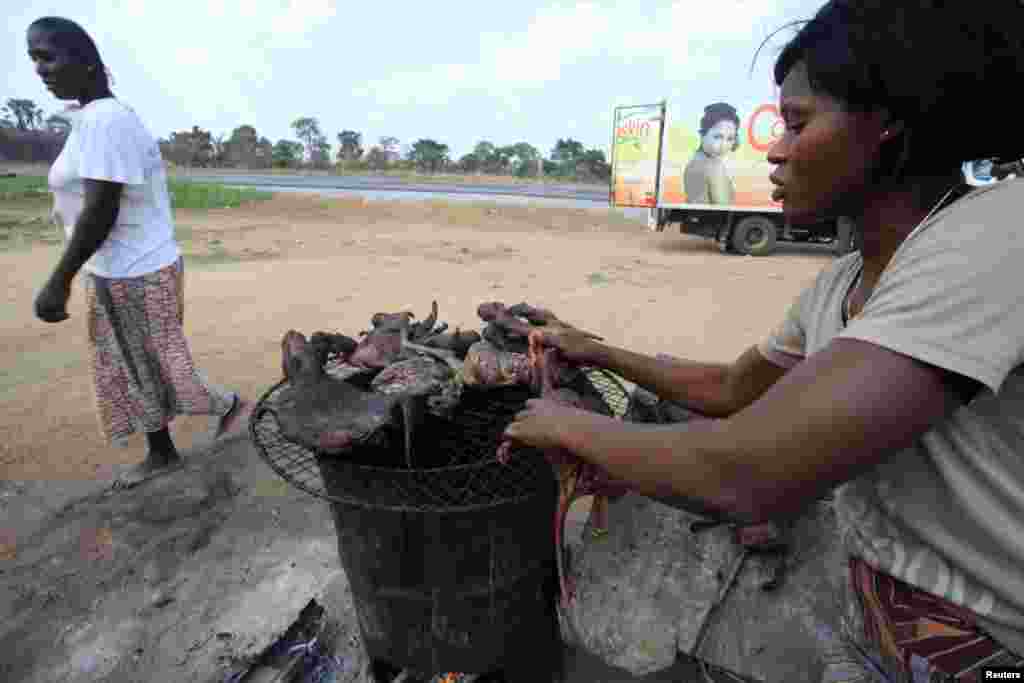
{"type": "Point", "coordinates": [22, 187]}
{"type": "Point", "coordinates": [188, 195]}
{"type": "Point", "coordinates": [21, 231]}
{"type": "Point", "coordinates": [597, 279]}
{"type": "Point", "coordinates": [184, 194]}
{"type": "Point", "coordinates": [182, 232]}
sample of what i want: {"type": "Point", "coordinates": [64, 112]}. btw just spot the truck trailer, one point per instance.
{"type": "Point", "coordinates": [707, 172]}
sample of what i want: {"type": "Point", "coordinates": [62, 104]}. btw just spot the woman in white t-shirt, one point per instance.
{"type": "Point", "coordinates": [897, 378]}
{"type": "Point", "coordinates": [111, 198]}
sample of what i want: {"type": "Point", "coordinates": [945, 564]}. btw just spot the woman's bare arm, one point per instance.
{"type": "Point", "coordinates": [99, 214]}
{"type": "Point", "coordinates": [829, 419]}
{"type": "Point", "coordinates": [712, 389]}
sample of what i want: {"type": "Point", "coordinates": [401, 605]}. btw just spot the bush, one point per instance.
{"type": "Point", "coordinates": [376, 159]}
{"type": "Point", "coordinates": [30, 146]}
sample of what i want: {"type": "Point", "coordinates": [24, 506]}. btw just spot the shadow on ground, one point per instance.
{"type": "Point", "coordinates": [188, 577]}
{"type": "Point", "coordinates": [700, 245]}
{"type": "Point", "coordinates": [179, 579]}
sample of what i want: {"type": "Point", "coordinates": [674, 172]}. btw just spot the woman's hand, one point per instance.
{"type": "Point", "coordinates": [576, 346]}
{"type": "Point", "coordinates": [51, 303]}
{"type": "Point", "coordinates": [547, 425]}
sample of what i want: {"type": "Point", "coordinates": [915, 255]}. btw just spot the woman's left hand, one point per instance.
{"type": "Point", "coordinates": [52, 302]}
{"type": "Point", "coordinates": [545, 424]}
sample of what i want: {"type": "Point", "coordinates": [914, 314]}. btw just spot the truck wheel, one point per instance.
{"type": "Point", "coordinates": [723, 241]}
{"type": "Point", "coordinates": [754, 236]}
{"type": "Point", "coordinates": [656, 220]}
{"type": "Point", "coordinates": [844, 242]}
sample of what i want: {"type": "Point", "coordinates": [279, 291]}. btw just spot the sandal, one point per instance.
{"type": "Point", "coordinates": [237, 405]}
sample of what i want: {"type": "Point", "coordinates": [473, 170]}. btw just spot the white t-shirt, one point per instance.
{"type": "Point", "coordinates": [109, 142]}
{"type": "Point", "coordinates": [947, 514]}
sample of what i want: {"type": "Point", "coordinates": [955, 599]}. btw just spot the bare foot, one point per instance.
{"type": "Point", "coordinates": [236, 419]}
{"type": "Point", "coordinates": [149, 468]}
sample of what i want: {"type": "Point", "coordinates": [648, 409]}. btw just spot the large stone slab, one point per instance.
{"type": "Point", "coordinates": [645, 588]}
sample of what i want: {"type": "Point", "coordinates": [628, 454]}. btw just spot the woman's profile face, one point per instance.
{"type": "Point", "coordinates": [720, 140]}
{"type": "Point", "coordinates": [63, 75]}
{"type": "Point", "coordinates": [826, 153]}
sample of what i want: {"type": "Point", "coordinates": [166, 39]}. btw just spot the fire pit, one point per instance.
{"type": "Point", "coordinates": [452, 566]}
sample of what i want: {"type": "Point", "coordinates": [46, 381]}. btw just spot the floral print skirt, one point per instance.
{"type": "Point", "coordinates": [906, 635]}
{"type": "Point", "coordinates": [142, 369]}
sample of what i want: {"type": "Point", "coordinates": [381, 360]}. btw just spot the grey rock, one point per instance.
{"type": "Point", "coordinates": [644, 589]}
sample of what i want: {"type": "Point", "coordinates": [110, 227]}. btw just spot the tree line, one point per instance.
{"type": "Point", "coordinates": [25, 135]}
{"type": "Point", "coordinates": [245, 148]}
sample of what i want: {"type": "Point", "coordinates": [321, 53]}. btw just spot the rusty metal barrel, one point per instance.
{"type": "Point", "coordinates": [452, 563]}
{"type": "Point", "coordinates": [461, 590]}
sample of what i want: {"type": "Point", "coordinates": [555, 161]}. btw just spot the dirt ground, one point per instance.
{"type": "Point", "coordinates": [309, 263]}
{"type": "Point", "coordinates": [86, 578]}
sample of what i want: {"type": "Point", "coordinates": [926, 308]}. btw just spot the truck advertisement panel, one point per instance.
{"type": "Point", "coordinates": [710, 158]}
{"type": "Point", "coordinates": [637, 135]}
{"type": "Point", "coordinates": [716, 158]}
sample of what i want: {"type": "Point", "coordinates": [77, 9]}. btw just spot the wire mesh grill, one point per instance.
{"type": "Point", "coordinates": [457, 465]}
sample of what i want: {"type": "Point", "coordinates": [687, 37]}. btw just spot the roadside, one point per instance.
{"type": "Point", "coordinates": [309, 263]}
{"type": "Point", "coordinates": [84, 582]}
{"type": "Point", "coordinates": [397, 176]}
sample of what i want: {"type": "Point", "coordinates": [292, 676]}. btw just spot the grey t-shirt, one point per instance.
{"type": "Point", "coordinates": [946, 514]}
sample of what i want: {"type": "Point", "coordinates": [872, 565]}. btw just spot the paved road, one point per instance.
{"type": "Point", "coordinates": [595, 193]}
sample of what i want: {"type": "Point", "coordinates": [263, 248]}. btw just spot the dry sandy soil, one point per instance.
{"type": "Point", "coordinates": [308, 263]}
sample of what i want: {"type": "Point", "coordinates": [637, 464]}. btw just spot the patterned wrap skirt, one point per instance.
{"type": "Point", "coordinates": [142, 369]}
{"type": "Point", "coordinates": [906, 635]}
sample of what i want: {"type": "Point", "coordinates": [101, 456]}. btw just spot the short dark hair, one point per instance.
{"type": "Point", "coordinates": [934, 64]}
{"type": "Point", "coordinates": [715, 114]}
{"type": "Point", "coordinates": [69, 36]}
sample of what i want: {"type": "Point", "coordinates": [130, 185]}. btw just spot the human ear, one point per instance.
{"type": "Point", "coordinates": [892, 129]}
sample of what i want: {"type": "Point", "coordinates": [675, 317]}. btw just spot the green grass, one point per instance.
{"type": "Point", "coordinates": [23, 231]}
{"type": "Point", "coordinates": [184, 194]}
{"type": "Point", "coordinates": [23, 187]}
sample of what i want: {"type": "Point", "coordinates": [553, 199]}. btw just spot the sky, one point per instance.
{"type": "Point", "coordinates": [458, 72]}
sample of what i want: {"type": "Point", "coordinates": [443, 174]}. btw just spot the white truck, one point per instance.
{"type": "Point", "coordinates": [707, 172]}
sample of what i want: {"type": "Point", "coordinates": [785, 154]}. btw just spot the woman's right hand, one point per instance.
{"type": "Point", "coordinates": [51, 303]}
{"type": "Point", "coordinates": [575, 345]}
